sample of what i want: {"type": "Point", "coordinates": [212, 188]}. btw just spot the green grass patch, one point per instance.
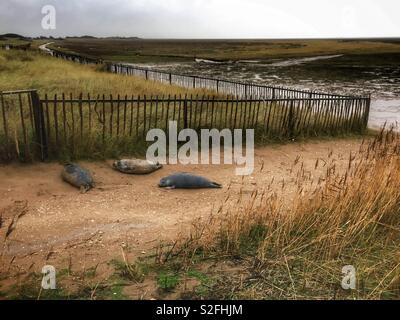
{"type": "Point", "coordinates": [168, 281]}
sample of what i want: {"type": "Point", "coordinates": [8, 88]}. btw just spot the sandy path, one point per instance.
{"type": "Point", "coordinates": [44, 48]}
{"type": "Point", "coordinates": [62, 224]}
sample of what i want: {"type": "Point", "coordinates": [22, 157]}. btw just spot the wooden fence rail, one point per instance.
{"type": "Point", "coordinates": [67, 126]}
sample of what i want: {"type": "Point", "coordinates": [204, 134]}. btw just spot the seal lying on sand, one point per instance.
{"type": "Point", "coordinates": [136, 166]}
{"type": "Point", "coordinates": [78, 177]}
{"type": "Point", "coordinates": [187, 181]}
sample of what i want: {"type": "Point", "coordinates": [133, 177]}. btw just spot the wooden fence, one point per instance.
{"type": "Point", "coordinates": [86, 126]}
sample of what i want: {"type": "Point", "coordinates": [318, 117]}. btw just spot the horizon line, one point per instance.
{"type": "Point", "coordinates": [172, 38]}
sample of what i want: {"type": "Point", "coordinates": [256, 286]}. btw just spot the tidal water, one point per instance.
{"type": "Point", "coordinates": [377, 75]}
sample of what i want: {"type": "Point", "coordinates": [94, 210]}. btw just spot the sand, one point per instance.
{"type": "Point", "coordinates": [60, 226]}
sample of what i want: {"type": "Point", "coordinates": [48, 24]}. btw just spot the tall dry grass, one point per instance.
{"type": "Point", "coordinates": [294, 247]}
{"type": "Point", "coordinates": [32, 70]}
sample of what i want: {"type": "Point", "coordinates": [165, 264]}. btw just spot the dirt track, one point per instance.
{"type": "Point", "coordinates": [61, 224]}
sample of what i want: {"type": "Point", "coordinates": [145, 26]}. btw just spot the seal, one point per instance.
{"type": "Point", "coordinates": [136, 166]}
{"type": "Point", "coordinates": [78, 177]}
{"type": "Point", "coordinates": [185, 180]}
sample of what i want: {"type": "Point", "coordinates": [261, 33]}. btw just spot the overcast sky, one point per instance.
{"type": "Point", "coordinates": [206, 18]}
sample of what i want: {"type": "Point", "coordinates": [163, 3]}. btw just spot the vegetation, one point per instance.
{"type": "Point", "coordinates": [13, 40]}
{"type": "Point", "coordinates": [276, 250]}
{"type": "Point", "coordinates": [138, 50]}
{"type": "Point", "coordinates": [70, 286]}
{"type": "Point", "coordinates": [31, 70]}
{"type": "Point", "coordinates": [168, 281]}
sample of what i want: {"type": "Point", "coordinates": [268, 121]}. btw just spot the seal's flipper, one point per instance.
{"type": "Point", "coordinates": [86, 188]}
{"type": "Point", "coordinates": [216, 185]}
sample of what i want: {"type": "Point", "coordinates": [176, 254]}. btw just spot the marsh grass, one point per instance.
{"type": "Point", "coordinates": [296, 249]}
{"type": "Point", "coordinates": [144, 51]}
{"type": "Point", "coordinates": [32, 70]}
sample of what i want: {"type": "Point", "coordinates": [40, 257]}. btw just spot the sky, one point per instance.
{"type": "Point", "coordinates": [205, 19]}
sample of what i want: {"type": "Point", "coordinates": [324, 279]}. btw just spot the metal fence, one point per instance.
{"type": "Point", "coordinates": [50, 127]}
{"type": "Point", "coordinates": [226, 87]}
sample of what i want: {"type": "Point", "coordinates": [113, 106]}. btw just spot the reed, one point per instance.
{"type": "Point", "coordinates": [294, 247]}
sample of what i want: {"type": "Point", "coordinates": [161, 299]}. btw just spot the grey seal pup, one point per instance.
{"type": "Point", "coordinates": [185, 180]}
{"type": "Point", "coordinates": [136, 166]}
{"type": "Point", "coordinates": [78, 177]}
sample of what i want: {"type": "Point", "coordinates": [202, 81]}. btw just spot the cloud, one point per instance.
{"type": "Point", "coordinates": [206, 18]}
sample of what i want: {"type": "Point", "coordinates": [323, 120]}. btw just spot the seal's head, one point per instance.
{"type": "Point", "coordinates": [157, 165]}
{"type": "Point", "coordinates": [165, 183]}
{"type": "Point", "coordinates": [116, 164]}
{"type": "Point", "coordinates": [70, 168]}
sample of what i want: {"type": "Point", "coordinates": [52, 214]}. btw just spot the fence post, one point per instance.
{"type": "Point", "coordinates": [170, 78]}
{"type": "Point", "coordinates": [5, 127]}
{"type": "Point", "coordinates": [194, 82]}
{"type": "Point", "coordinates": [291, 121]}
{"type": "Point", "coordinates": [40, 127]}
{"type": "Point", "coordinates": [367, 109]}
{"type": "Point", "coordinates": [185, 114]}
{"type": "Point", "coordinates": [217, 86]}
